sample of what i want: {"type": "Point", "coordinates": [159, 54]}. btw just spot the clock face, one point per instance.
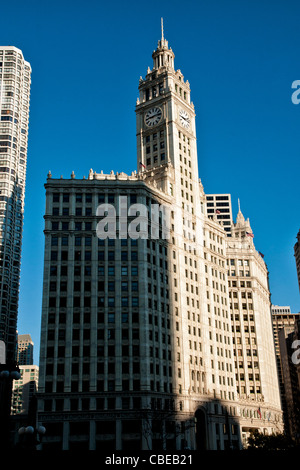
{"type": "Point", "coordinates": [184, 119]}
{"type": "Point", "coordinates": [153, 116]}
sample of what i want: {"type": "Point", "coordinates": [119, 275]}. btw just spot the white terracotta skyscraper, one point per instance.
{"type": "Point", "coordinates": [15, 80]}
{"type": "Point", "coordinates": [137, 335]}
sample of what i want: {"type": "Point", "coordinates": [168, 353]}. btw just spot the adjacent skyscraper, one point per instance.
{"type": "Point", "coordinates": [139, 336]}
{"type": "Point", "coordinates": [25, 350]}
{"type": "Point", "coordinates": [219, 206]}
{"type": "Point", "coordinates": [15, 75]}
{"type": "Point", "coordinates": [284, 323]}
{"type": "Point", "coordinates": [24, 389]}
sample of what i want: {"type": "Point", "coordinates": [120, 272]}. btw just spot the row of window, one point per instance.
{"type": "Point", "coordinates": [87, 270]}
{"type": "Point", "coordinates": [87, 256]}
{"type": "Point", "coordinates": [87, 241]}
{"type": "Point", "coordinates": [85, 318]}
{"type": "Point", "coordinates": [155, 159]}
{"type": "Point", "coordinates": [240, 273]}
{"type": "Point", "coordinates": [155, 147]}
{"type": "Point", "coordinates": [88, 198]}
{"type": "Point", "coordinates": [85, 301]}
{"type": "Point", "coordinates": [110, 386]}
{"type": "Point", "coordinates": [218, 198]}
{"type": "Point", "coordinates": [154, 91]}
{"type": "Point", "coordinates": [85, 367]}
{"type": "Point", "coordinates": [87, 286]}
{"type": "Point", "coordinates": [153, 136]}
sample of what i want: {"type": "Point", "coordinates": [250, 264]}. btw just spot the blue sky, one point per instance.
{"type": "Point", "coordinates": [240, 58]}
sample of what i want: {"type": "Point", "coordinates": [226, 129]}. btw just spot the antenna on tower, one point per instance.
{"type": "Point", "coordinates": [162, 29]}
{"type": "Point", "coordinates": [239, 205]}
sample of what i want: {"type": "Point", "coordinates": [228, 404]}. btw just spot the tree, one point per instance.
{"type": "Point", "coordinates": [275, 441]}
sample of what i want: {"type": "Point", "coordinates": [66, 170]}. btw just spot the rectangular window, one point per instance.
{"type": "Point", "coordinates": [54, 241]}
{"type": "Point", "coordinates": [54, 256]}
{"type": "Point", "coordinates": [111, 317]}
{"type": "Point", "coordinates": [77, 241]}
{"type": "Point", "coordinates": [134, 286]}
{"type": "Point", "coordinates": [124, 317]}
{"type": "Point", "coordinates": [88, 241]}
{"type": "Point", "coordinates": [134, 271]}
{"type": "Point", "coordinates": [64, 241]}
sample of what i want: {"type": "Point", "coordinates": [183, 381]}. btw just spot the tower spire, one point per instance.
{"type": "Point", "coordinates": [163, 56]}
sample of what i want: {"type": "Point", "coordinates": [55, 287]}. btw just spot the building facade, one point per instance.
{"type": "Point", "coordinates": [219, 206]}
{"type": "Point", "coordinates": [25, 350]}
{"type": "Point", "coordinates": [24, 389]}
{"type": "Point", "coordinates": [254, 350]}
{"type": "Point", "coordinates": [15, 73]}
{"type": "Point", "coordinates": [289, 341]}
{"type": "Point", "coordinates": [137, 340]}
{"type": "Point", "coordinates": [283, 321]}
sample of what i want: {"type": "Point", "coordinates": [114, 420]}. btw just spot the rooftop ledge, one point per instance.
{"type": "Point", "coordinates": [135, 176]}
{"type": "Point", "coordinates": [106, 176]}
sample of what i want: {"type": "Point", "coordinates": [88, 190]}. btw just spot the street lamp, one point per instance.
{"type": "Point", "coordinates": [30, 437]}
{"type": "Point", "coordinates": [8, 373]}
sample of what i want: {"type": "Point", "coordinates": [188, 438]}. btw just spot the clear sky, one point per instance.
{"type": "Point", "coordinates": [240, 58]}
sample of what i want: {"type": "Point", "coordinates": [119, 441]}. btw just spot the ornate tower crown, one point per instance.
{"type": "Point", "coordinates": [163, 56]}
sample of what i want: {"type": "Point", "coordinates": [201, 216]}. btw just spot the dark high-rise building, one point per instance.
{"type": "Point", "coordinates": [15, 75]}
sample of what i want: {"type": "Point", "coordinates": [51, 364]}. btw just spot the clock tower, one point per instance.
{"type": "Point", "coordinates": [166, 134]}
{"type": "Point", "coordinates": [167, 158]}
